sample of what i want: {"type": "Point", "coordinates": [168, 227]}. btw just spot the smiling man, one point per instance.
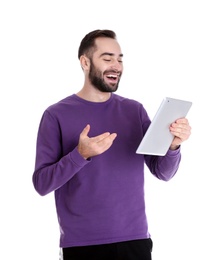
{"type": "Point", "coordinates": [86, 155]}
{"type": "Point", "coordinates": [102, 68]}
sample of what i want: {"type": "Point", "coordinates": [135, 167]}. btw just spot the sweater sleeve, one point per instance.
{"type": "Point", "coordinates": [52, 169]}
{"type": "Point", "coordinates": [164, 167]}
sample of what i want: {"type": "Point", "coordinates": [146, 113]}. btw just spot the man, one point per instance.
{"type": "Point", "coordinates": [86, 154]}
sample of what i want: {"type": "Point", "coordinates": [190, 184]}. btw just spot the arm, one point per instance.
{"type": "Point", "coordinates": [52, 170]}
{"type": "Point", "coordinates": [165, 167]}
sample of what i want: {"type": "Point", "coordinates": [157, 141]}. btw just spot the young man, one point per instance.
{"type": "Point", "coordinates": [86, 154]}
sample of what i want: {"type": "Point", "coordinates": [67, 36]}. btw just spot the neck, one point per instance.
{"type": "Point", "coordinates": [93, 95]}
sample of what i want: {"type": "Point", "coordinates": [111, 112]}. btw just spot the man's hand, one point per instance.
{"type": "Point", "coordinates": [181, 130]}
{"type": "Point", "coordinates": [91, 146]}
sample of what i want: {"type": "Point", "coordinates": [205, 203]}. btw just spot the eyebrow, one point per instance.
{"type": "Point", "coordinates": [110, 54]}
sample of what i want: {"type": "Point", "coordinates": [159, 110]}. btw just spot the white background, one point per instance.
{"type": "Point", "coordinates": [169, 50]}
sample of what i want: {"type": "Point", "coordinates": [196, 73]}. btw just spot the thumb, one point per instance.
{"type": "Point", "coordinates": [85, 130]}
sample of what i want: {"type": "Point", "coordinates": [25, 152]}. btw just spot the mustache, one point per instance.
{"type": "Point", "coordinates": [117, 72]}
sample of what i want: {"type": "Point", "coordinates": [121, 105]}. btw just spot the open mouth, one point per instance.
{"type": "Point", "coordinates": [113, 77]}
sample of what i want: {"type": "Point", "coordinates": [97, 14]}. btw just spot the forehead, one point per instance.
{"type": "Point", "coordinates": [107, 45]}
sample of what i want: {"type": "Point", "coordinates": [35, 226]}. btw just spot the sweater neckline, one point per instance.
{"type": "Point", "coordinates": [93, 103]}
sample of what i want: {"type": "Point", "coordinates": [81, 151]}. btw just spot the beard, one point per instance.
{"type": "Point", "coordinates": [96, 78]}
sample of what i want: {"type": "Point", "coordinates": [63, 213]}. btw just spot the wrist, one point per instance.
{"type": "Point", "coordinates": [174, 147]}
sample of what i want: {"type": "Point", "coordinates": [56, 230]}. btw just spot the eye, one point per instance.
{"type": "Point", "coordinates": [107, 60]}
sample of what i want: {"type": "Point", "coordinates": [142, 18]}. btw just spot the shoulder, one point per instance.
{"type": "Point", "coordinates": [126, 100]}
{"type": "Point", "coordinates": [129, 103]}
{"type": "Point", "coordinates": [61, 104]}
{"type": "Point", "coordinates": [132, 107]}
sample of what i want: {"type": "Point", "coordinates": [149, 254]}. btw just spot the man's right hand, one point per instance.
{"type": "Point", "coordinates": [92, 146]}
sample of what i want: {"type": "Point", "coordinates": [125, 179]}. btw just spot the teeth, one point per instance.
{"type": "Point", "coordinates": [112, 76]}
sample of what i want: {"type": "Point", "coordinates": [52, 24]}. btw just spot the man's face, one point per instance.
{"type": "Point", "coordinates": [106, 65]}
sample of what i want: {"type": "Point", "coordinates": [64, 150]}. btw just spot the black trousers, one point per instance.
{"type": "Point", "coordinates": [129, 250]}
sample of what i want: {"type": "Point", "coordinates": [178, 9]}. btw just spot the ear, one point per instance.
{"type": "Point", "coordinates": [85, 62]}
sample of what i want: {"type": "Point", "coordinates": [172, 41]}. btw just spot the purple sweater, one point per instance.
{"type": "Point", "coordinates": [100, 200]}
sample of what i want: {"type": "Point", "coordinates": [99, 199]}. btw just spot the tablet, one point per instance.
{"type": "Point", "coordinates": [158, 138]}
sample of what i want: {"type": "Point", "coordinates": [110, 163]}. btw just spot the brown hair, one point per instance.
{"type": "Point", "coordinates": [87, 45]}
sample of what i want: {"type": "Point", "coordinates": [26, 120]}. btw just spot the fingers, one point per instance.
{"type": "Point", "coordinates": [181, 127]}
{"type": "Point", "coordinates": [97, 138]}
{"type": "Point", "coordinates": [103, 137]}
{"type": "Point", "coordinates": [103, 142]}
{"type": "Point", "coordinates": [181, 130]}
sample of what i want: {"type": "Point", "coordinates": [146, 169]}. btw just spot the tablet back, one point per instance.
{"type": "Point", "coordinates": [158, 138]}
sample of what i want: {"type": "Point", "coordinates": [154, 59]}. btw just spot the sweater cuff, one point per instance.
{"type": "Point", "coordinates": [78, 159]}
{"type": "Point", "coordinates": [174, 152]}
